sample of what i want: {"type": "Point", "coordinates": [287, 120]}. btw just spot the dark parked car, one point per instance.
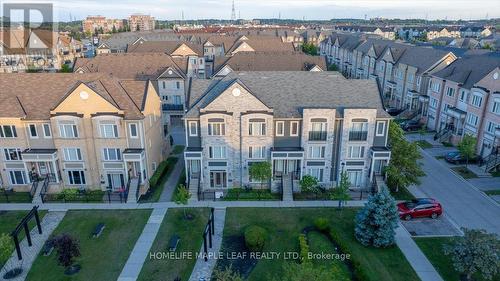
{"type": "Point", "coordinates": [455, 157]}
{"type": "Point", "coordinates": [418, 208]}
{"type": "Point", "coordinates": [393, 111]}
{"type": "Point", "coordinates": [411, 125]}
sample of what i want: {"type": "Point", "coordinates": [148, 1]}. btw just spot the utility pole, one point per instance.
{"type": "Point", "coordinates": [233, 13]}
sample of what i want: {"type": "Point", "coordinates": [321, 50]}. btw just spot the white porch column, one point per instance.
{"type": "Point", "coordinates": [54, 167]}
{"type": "Point", "coordinates": [371, 169]}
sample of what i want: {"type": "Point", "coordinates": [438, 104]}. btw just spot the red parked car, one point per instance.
{"type": "Point", "coordinates": [421, 207]}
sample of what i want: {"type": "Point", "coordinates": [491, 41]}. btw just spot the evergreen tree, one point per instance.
{"type": "Point", "coordinates": [376, 222]}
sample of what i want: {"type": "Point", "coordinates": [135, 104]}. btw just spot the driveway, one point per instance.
{"type": "Point", "coordinates": [462, 202]}
{"type": "Point", "coordinates": [440, 226]}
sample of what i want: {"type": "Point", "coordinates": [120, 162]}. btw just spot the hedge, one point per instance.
{"type": "Point", "coordinates": [162, 170]}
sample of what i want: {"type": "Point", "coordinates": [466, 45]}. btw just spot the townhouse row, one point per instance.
{"type": "Point", "coordinates": [303, 123]}
{"type": "Point", "coordinates": [85, 131]}
{"type": "Point", "coordinates": [402, 71]}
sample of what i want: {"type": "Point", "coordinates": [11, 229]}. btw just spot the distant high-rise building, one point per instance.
{"type": "Point", "coordinates": [141, 22]}
{"type": "Point", "coordinates": [91, 23]}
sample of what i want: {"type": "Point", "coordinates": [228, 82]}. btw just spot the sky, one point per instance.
{"type": "Point", "coordinates": [296, 9]}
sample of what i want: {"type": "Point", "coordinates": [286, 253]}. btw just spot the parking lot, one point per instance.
{"type": "Point", "coordinates": [440, 226]}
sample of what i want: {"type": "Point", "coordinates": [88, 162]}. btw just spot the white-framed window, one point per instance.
{"type": "Point", "coordinates": [257, 128]}
{"type": "Point", "coordinates": [216, 129]}
{"type": "Point", "coordinates": [12, 154]}
{"type": "Point", "coordinates": [356, 151]}
{"type": "Point", "coordinates": [72, 154]}
{"type": "Point", "coordinates": [436, 87]}
{"type": "Point", "coordinates": [68, 130]}
{"type": "Point", "coordinates": [380, 131]}
{"type": "Point", "coordinates": [178, 84]}
{"type": "Point", "coordinates": [294, 128]}
{"type": "Point", "coordinates": [32, 131]}
{"type": "Point", "coordinates": [433, 102]}
{"type": "Point", "coordinates": [495, 108]}
{"type": "Point", "coordinates": [491, 127]}
{"type": "Point", "coordinates": [111, 154]}
{"type": "Point", "coordinates": [411, 77]}
{"type": "Point", "coordinates": [177, 99]}
{"type": "Point", "coordinates": [76, 177]}
{"type": "Point", "coordinates": [450, 92]}
{"type": "Point", "coordinates": [217, 152]}
{"type": "Point", "coordinates": [133, 130]}
{"type": "Point", "coordinates": [476, 100]}
{"type": "Point", "coordinates": [316, 152]}
{"type": "Point", "coordinates": [317, 173]}
{"type": "Point", "coordinates": [472, 119]}
{"type": "Point", "coordinates": [318, 127]}
{"type": "Point", "coordinates": [257, 152]}
{"type": "Point", "coordinates": [8, 131]}
{"type": "Point", "coordinates": [18, 177]}
{"type": "Point", "coordinates": [47, 132]}
{"type": "Point", "coordinates": [153, 166]}
{"type": "Point", "coordinates": [280, 128]}
{"type": "Point", "coordinates": [109, 130]}
{"type": "Point", "coordinates": [193, 128]}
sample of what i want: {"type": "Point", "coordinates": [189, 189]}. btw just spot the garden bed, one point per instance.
{"type": "Point", "coordinates": [190, 234]}
{"type": "Point", "coordinates": [464, 172]}
{"type": "Point", "coordinates": [284, 225]}
{"type": "Point", "coordinates": [424, 144]}
{"type": "Point", "coordinates": [240, 194]}
{"type": "Point", "coordinates": [14, 197]}
{"type": "Point", "coordinates": [308, 196]}
{"type": "Point", "coordinates": [158, 181]}
{"type": "Point", "coordinates": [102, 258]}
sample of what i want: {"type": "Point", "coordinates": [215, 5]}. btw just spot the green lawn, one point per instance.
{"type": "Point", "coordinates": [284, 226]}
{"type": "Point", "coordinates": [154, 193]}
{"type": "Point", "coordinates": [464, 172]}
{"type": "Point", "coordinates": [319, 243]}
{"type": "Point", "coordinates": [190, 232]}
{"type": "Point", "coordinates": [10, 219]}
{"type": "Point", "coordinates": [423, 144]}
{"type": "Point", "coordinates": [240, 194]}
{"type": "Point", "coordinates": [433, 250]}
{"type": "Point", "coordinates": [402, 194]}
{"type": "Point", "coordinates": [101, 258]}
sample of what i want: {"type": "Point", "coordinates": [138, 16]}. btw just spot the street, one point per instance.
{"type": "Point", "coordinates": [464, 204]}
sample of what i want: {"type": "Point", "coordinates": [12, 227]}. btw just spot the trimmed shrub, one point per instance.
{"type": "Point", "coordinates": [162, 170]}
{"type": "Point", "coordinates": [255, 238]}
{"type": "Point", "coordinates": [359, 273]}
{"type": "Point", "coordinates": [322, 224]}
{"type": "Point", "coordinates": [304, 248]}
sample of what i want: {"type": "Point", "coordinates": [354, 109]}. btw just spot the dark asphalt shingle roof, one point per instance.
{"type": "Point", "coordinates": [288, 92]}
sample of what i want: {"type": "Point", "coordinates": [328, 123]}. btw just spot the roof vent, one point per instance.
{"type": "Point", "coordinates": [84, 95]}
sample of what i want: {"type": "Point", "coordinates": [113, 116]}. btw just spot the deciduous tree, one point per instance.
{"type": "Point", "coordinates": [261, 171]}
{"type": "Point", "coordinates": [308, 183]}
{"type": "Point", "coordinates": [467, 147]}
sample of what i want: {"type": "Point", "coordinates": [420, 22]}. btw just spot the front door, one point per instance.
{"type": "Point", "coordinates": [42, 168]}
{"type": "Point", "coordinates": [194, 169]}
{"type": "Point", "coordinates": [116, 181]}
{"type": "Point", "coordinates": [218, 179]}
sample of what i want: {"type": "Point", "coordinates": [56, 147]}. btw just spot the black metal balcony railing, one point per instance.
{"type": "Point", "coordinates": [170, 106]}
{"type": "Point", "coordinates": [317, 136]}
{"type": "Point", "coordinates": [358, 135]}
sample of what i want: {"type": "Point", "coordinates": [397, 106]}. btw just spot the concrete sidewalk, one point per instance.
{"type": "Point", "coordinates": [133, 267]}
{"type": "Point", "coordinates": [171, 183]}
{"type": "Point", "coordinates": [417, 259]}
{"type": "Point", "coordinates": [197, 204]}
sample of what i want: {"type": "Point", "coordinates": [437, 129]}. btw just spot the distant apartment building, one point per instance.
{"type": "Point", "coordinates": [384, 32]}
{"type": "Point", "coordinates": [141, 22]}
{"type": "Point", "coordinates": [303, 123]}
{"type": "Point", "coordinates": [93, 23]}
{"type": "Point", "coordinates": [464, 98]}
{"type": "Point", "coordinates": [167, 74]}
{"type": "Point", "coordinates": [88, 131]}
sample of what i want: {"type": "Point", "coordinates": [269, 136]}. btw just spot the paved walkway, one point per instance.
{"type": "Point", "coordinates": [49, 222]}
{"type": "Point", "coordinates": [198, 204]}
{"type": "Point", "coordinates": [202, 268]}
{"type": "Point", "coordinates": [415, 257]}
{"type": "Point", "coordinates": [132, 268]}
{"type": "Point", "coordinates": [171, 183]}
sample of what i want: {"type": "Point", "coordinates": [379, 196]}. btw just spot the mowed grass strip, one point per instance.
{"type": "Point", "coordinates": [101, 258]}
{"type": "Point", "coordinates": [190, 233]}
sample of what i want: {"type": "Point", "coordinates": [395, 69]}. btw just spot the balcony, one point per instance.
{"type": "Point", "coordinates": [317, 136]}
{"type": "Point", "coordinates": [172, 107]}
{"type": "Point", "coordinates": [358, 135]}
